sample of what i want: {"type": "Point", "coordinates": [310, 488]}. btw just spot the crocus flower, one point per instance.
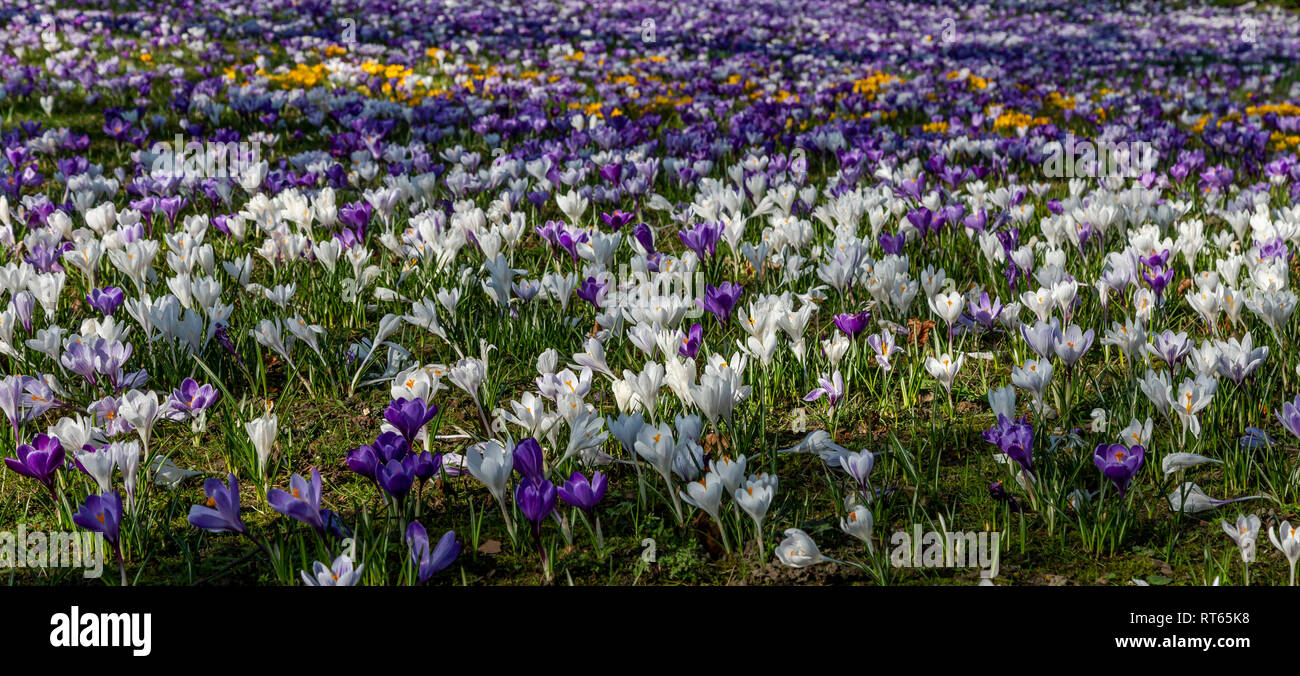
{"type": "Point", "coordinates": [396, 477]}
{"type": "Point", "coordinates": [883, 345]}
{"type": "Point", "coordinates": [105, 300]}
{"type": "Point", "coordinates": [720, 300]}
{"type": "Point", "coordinates": [984, 311]}
{"type": "Point", "coordinates": [579, 492]}
{"type": "Point", "coordinates": [429, 561]}
{"type": "Point", "coordinates": [191, 398]}
{"type": "Point", "coordinates": [1289, 416]}
{"type": "Point", "coordinates": [410, 416]}
{"type": "Point", "coordinates": [425, 465]}
{"type": "Point", "coordinates": [101, 514]}
{"type": "Point", "coordinates": [98, 464]}
{"type": "Point", "coordinates": [859, 465]}
{"type": "Point", "coordinates": [536, 499]}
{"type": "Point", "coordinates": [1015, 438]}
{"type": "Point", "coordinates": [262, 431]}
{"type": "Point", "coordinates": [1158, 278]}
{"type": "Point", "coordinates": [528, 459]}
{"type": "Point", "coordinates": [593, 291]}
{"type": "Point", "coordinates": [220, 513]}
{"type": "Point", "coordinates": [1190, 498]}
{"type": "Point", "coordinates": [892, 244]}
{"type": "Point", "coordinates": [944, 368]}
{"type": "Point", "coordinates": [852, 324]}
{"type": "Point", "coordinates": [754, 496]}
{"type": "Point", "coordinates": [690, 346]}
{"type": "Point", "coordinates": [1288, 543]}
{"type": "Point", "coordinates": [1244, 534]}
{"type": "Point", "coordinates": [1072, 344]}
{"type": "Point", "coordinates": [859, 523]}
{"type": "Point", "coordinates": [339, 574]}
{"type": "Point", "coordinates": [798, 550]}
{"type": "Point", "coordinates": [832, 388]}
{"type": "Point", "coordinates": [39, 460]}
{"type": "Point", "coordinates": [364, 461]}
{"type": "Point", "coordinates": [301, 502]}
{"type": "Point", "coordinates": [1119, 463]}
{"type": "Point", "coordinates": [702, 239]}
{"type": "Point", "coordinates": [1255, 438]}
{"type": "Point", "coordinates": [705, 495]}
{"type": "Point", "coordinates": [490, 462]}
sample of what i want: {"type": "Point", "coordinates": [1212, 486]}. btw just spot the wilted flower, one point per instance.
{"type": "Point", "coordinates": [798, 550]}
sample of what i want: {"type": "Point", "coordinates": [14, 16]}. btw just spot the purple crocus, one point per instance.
{"type": "Point", "coordinates": [356, 216]}
{"type": "Point", "coordinates": [581, 493]}
{"type": "Point", "coordinates": [409, 416]}
{"type": "Point", "coordinates": [536, 499]}
{"type": "Point", "coordinates": [79, 358]}
{"type": "Point", "coordinates": [832, 388]}
{"type": "Point", "coordinates": [396, 477]}
{"type": "Point", "coordinates": [425, 465]}
{"type": "Point", "coordinates": [912, 187]}
{"type": "Point", "coordinates": [390, 446]}
{"type": "Point", "coordinates": [1015, 438]}
{"type": "Point", "coordinates": [1255, 439]}
{"type": "Point", "coordinates": [924, 220]}
{"type": "Point", "coordinates": [301, 502]}
{"type": "Point", "coordinates": [852, 324]}
{"type": "Point", "coordinates": [220, 513]}
{"type": "Point", "coordinates": [101, 514]}
{"type": "Point", "coordinates": [702, 239]}
{"type": "Point", "coordinates": [893, 244]}
{"type": "Point", "coordinates": [593, 292]}
{"type": "Point", "coordinates": [616, 220]}
{"type": "Point", "coordinates": [984, 311]}
{"type": "Point", "coordinates": [1158, 278]}
{"type": "Point", "coordinates": [1119, 463]}
{"type": "Point", "coordinates": [691, 341]}
{"type": "Point", "coordinates": [645, 237]}
{"type": "Point", "coordinates": [720, 300]}
{"type": "Point", "coordinates": [39, 460]}
{"type": "Point", "coordinates": [191, 398]}
{"type": "Point", "coordinates": [171, 206]}
{"type": "Point", "coordinates": [105, 300]}
{"type": "Point", "coordinates": [528, 459]}
{"type": "Point", "coordinates": [1289, 416]}
{"type": "Point", "coordinates": [429, 561]}
{"type": "Point", "coordinates": [364, 461]}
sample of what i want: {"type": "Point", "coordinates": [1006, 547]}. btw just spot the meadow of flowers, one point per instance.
{"type": "Point", "coordinates": [651, 292]}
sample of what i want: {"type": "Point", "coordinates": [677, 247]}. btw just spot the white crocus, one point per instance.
{"type": "Point", "coordinates": [262, 431]}
{"type": "Point", "coordinates": [1289, 543]}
